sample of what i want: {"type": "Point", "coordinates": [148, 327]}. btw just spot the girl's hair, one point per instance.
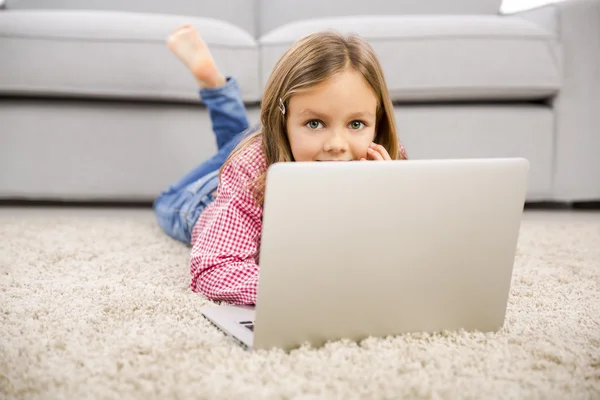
{"type": "Point", "coordinates": [308, 62]}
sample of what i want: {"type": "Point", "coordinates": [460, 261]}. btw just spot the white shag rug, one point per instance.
{"type": "Point", "coordinates": [96, 305]}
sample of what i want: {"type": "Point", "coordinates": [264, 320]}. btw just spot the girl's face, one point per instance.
{"type": "Point", "coordinates": [333, 121]}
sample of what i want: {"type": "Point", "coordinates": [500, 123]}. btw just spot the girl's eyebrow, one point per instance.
{"type": "Point", "coordinates": [361, 114]}
{"type": "Point", "coordinates": [308, 111]}
{"type": "Point", "coordinates": [357, 114]}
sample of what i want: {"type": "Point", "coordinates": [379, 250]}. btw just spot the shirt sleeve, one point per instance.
{"type": "Point", "coordinates": [225, 249]}
{"type": "Point", "coordinates": [403, 152]}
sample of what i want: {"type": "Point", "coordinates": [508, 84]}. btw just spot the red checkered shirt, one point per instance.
{"type": "Point", "coordinates": [226, 237]}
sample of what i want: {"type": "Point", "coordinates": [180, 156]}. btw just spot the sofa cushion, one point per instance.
{"type": "Point", "coordinates": [441, 58]}
{"type": "Point", "coordinates": [237, 12]}
{"type": "Point", "coordinates": [276, 13]}
{"type": "Point", "coordinates": [114, 55]}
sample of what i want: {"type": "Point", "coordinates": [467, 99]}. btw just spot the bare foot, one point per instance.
{"type": "Point", "coordinates": [187, 45]}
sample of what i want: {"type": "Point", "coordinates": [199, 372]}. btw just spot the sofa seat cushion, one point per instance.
{"type": "Point", "coordinates": [444, 58]}
{"type": "Point", "coordinates": [115, 55]}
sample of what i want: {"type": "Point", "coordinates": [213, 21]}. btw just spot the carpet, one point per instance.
{"type": "Point", "coordinates": [95, 304]}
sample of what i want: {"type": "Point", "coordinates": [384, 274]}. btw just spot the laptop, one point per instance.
{"type": "Point", "coordinates": [372, 249]}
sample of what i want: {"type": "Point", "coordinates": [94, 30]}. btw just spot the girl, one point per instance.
{"type": "Point", "coordinates": [326, 100]}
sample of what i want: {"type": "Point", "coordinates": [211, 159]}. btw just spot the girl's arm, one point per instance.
{"type": "Point", "coordinates": [226, 241]}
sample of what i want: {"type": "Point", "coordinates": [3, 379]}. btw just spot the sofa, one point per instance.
{"type": "Point", "coordinates": [93, 106]}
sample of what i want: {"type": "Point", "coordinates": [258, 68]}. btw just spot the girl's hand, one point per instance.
{"type": "Point", "coordinates": [377, 152]}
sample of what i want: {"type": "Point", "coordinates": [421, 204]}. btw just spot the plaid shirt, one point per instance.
{"type": "Point", "coordinates": [226, 237]}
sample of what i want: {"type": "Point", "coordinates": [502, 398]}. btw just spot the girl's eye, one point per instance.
{"type": "Point", "coordinates": [314, 124]}
{"type": "Point", "coordinates": [357, 125]}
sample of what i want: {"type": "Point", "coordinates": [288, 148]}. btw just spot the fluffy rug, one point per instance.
{"type": "Point", "coordinates": [96, 304]}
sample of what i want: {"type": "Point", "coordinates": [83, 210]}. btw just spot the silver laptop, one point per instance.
{"type": "Point", "coordinates": [359, 249]}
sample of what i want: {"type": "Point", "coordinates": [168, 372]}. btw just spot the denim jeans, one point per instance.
{"type": "Point", "coordinates": [177, 209]}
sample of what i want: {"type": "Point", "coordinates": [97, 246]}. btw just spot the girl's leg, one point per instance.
{"type": "Point", "coordinates": [177, 212]}
{"type": "Point", "coordinates": [220, 95]}
{"type": "Point", "coordinates": [227, 111]}
{"type": "Point", "coordinates": [178, 208]}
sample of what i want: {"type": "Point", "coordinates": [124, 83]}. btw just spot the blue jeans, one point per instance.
{"type": "Point", "coordinates": [177, 209]}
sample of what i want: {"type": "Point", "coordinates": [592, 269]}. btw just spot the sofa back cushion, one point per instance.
{"type": "Point", "coordinates": [238, 12]}
{"type": "Point", "coordinates": [274, 13]}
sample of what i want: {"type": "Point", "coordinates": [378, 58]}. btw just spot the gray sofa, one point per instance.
{"type": "Point", "coordinates": [94, 107]}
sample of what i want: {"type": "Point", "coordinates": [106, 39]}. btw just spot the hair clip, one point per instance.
{"type": "Point", "coordinates": [281, 106]}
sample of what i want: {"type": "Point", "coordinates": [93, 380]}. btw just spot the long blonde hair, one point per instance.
{"type": "Point", "coordinates": [308, 62]}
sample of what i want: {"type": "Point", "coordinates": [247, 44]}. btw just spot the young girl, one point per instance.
{"type": "Point", "coordinates": [326, 100]}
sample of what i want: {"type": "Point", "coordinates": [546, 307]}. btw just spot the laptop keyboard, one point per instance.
{"type": "Point", "coordinates": [248, 324]}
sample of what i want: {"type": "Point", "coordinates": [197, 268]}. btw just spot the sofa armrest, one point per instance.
{"type": "Point", "coordinates": [576, 24]}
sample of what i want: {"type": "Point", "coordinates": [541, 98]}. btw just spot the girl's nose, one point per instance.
{"type": "Point", "coordinates": [336, 143]}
